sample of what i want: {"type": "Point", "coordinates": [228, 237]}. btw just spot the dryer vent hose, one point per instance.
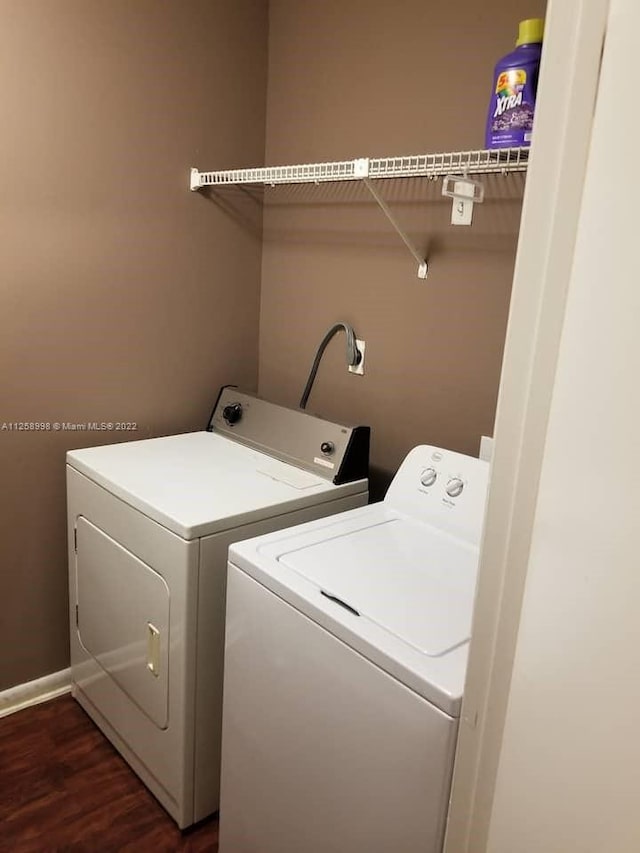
{"type": "Point", "coordinates": [353, 356]}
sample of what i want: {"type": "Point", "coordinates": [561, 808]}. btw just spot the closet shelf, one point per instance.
{"type": "Point", "coordinates": [455, 164]}
{"type": "Point", "coordinates": [481, 162]}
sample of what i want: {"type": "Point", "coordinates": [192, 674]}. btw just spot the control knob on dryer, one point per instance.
{"type": "Point", "coordinates": [232, 413]}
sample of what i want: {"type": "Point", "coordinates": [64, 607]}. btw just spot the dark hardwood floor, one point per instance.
{"type": "Point", "coordinates": [64, 788]}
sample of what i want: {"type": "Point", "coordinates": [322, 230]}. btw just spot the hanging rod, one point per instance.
{"type": "Point", "coordinates": [480, 162]}
{"type": "Point", "coordinates": [461, 163]}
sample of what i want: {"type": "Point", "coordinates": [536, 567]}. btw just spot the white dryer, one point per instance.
{"type": "Point", "coordinates": [149, 525]}
{"type": "Point", "coordinates": [345, 659]}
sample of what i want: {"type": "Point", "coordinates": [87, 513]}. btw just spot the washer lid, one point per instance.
{"type": "Point", "coordinates": [408, 578]}
{"type": "Point", "coordinates": [200, 483]}
{"type": "Point", "coordinates": [399, 591]}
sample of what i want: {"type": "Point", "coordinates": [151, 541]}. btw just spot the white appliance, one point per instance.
{"type": "Point", "coordinates": [345, 657]}
{"type": "Point", "coordinates": [149, 526]}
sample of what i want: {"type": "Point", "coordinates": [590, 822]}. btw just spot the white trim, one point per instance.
{"type": "Point", "coordinates": [574, 36]}
{"type": "Point", "coordinates": [33, 692]}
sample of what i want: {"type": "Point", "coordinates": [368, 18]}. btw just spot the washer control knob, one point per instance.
{"type": "Point", "coordinates": [327, 447]}
{"type": "Point", "coordinates": [454, 487]}
{"type": "Point", "coordinates": [428, 477]}
{"type": "Point", "coordinates": [232, 413]}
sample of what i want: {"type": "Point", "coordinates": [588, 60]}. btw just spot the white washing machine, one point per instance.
{"type": "Point", "coordinates": [150, 523]}
{"type": "Point", "coordinates": [345, 659]}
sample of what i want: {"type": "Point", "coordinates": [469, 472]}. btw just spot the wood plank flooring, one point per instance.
{"type": "Point", "coordinates": [63, 788]}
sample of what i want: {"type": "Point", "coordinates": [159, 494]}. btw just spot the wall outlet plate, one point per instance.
{"type": "Point", "coordinates": [359, 368]}
{"type": "Point", "coordinates": [486, 448]}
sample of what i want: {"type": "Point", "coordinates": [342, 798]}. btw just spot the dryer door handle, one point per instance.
{"type": "Point", "coordinates": [153, 649]}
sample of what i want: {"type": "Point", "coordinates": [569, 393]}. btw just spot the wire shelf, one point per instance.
{"type": "Point", "coordinates": [302, 174]}
{"type": "Point", "coordinates": [458, 164]}
{"type": "Point", "coordinates": [480, 162]}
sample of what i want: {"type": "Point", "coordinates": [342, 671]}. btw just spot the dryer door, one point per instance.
{"type": "Point", "coordinates": [123, 618]}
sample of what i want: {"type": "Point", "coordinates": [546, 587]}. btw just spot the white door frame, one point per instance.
{"type": "Point", "coordinates": [574, 36]}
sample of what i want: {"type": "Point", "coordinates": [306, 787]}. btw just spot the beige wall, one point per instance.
{"type": "Point", "coordinates": [123, 296]}
{"type": "Point", "coordinates": [363, 78]}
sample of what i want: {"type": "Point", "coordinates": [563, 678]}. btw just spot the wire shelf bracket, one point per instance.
{"type": "Point", "coordinates": [423, 266]}
{"type": "Point", "coordinates": [455, 167]}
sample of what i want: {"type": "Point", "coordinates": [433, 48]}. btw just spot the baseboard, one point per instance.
{"type": "Point", "coordinates": [33, 692]}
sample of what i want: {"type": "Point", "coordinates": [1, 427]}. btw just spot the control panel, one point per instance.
{"type": "Point", "coordinates": [444, 488]}
{"type": "Point", "coordinates": [333, 451]}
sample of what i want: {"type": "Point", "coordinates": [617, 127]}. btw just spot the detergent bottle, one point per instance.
{"type": "Point", "coordinates": [513, 95]}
